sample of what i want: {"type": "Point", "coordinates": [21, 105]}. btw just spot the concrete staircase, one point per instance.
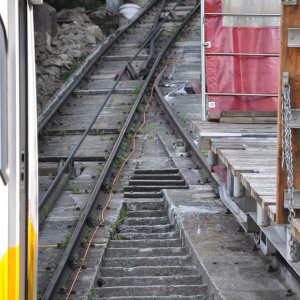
{"type": "Point", "coordinates": [148, 260]}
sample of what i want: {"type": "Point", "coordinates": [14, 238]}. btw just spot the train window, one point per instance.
{"type": "Point", "coordinates": [3, 105]}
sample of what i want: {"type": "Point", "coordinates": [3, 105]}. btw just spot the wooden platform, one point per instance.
{"type": "Point", "coordinates": [210, 130]}
{"type": "Point", "coordinates": [248, 155]}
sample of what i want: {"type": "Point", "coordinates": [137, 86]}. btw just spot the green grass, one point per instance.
{"type": "Point", "coordinates": [62, 133]}
{"type": "Point", "coordinates": [130, 30]}
{"type": "Point", "coordinates": [91, 295]}
{"type": "Point", "coordinates": [135, 92]}
{"type": "Point", "coordinates": [182, 118]}
{"type": "Point", "coordinates": [75, 189]}
{"type": "Point", "coordinates": [99, 169]}
{"type": "Point", "coordinates": [64, 243]}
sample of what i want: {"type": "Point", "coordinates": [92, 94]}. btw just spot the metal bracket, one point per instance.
{"type": "Point", "coordinates": [285, 78]}
{"type": "Point", "coordinates": [293, 37]}
{"type": "Point", "coordinates": [36, 2]}
{"type": "Point", "coordinates": [289, 2]}
{"type": "Point", "coordinates": [296, 199]}
{"type": "Point", "coordinates": [206, 44]}
{"type": "Point", "coordinates": [295, 118]}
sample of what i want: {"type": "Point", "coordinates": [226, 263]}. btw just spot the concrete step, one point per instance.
{"type": "Point", "coordinates": [155, 290]}
{"type": "Point", "coordinates": [140, 252]}
{"type": "Point", "coordinates": [158, 182]}
{"type": "Point", "coordinates": [151, 280]}
{"type": "Point", "coordinates": [173, 297]}
{"type": "Point", "coordinates": [155, 171]}
{"type": "Point", "coordinates": [147, 229]}
{"type": "Point", "coordinates": [128, 262]}
{"type": "Point", "coordinates": [144, 204]}
{"type": "Point", "coordinates": [147, 213]}
{"type": "Point", "coordinates": [151, 188]}
{"type": "Point", "coordinates": [150, 194]}
{"type": "Point", "coordinates": [148, 271]}
{"type": "Point", "coordinates": [145, 243]}
{"type": "Point", "coordinates": [146, 236]}
{"type": "Point", "coordinates": [174, 176]}
{"type": "Point", "coordinates": [147, 221]}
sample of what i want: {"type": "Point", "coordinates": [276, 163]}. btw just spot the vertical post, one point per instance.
{"type": "Point", "coordinates": [262, 216]}
{"type": "Point", "coordinates": [289, 62]}
{"type": "Point", "coordinates": [212, 158]}
{"type": "Point", "coordinates": [237, 187]}
{"type": "Point", "coordinates": [203, 75]}
{"type": "Point", "coordinates": [229, 182]}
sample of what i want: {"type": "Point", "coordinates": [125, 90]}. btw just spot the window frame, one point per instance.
{"type": "Point", "coordinates": [3, 105]}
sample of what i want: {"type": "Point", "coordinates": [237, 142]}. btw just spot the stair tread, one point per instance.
{"type": "Point", "coordinates": [147, 229]}
{"type": "Point", "coordinates": [156, 252]}
{"type": "Point", "coordinates": [151, 290]}
{"type": "Point", "coordinates": [172, 297]}
{"type": "Point", "coordinates": [183, 260]}
{"type": "Point", "coordinates": [156, 171]}
{"type": "Point", "coordinates": [144, 235]}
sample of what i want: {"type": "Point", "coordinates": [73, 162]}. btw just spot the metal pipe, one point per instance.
{"type": "Point", "coordinates": [241, 54]}
{"type": "Point", "coordinates": [241, 94]}
{"type": "Point", "coordinates": [241, 15]}
{"type": "Point", "coordinates": [203, 71]}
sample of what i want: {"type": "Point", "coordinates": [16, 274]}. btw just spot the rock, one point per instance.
{"type": "Point", "coordinates": [74, 15]}
{"type": "Point", "coordinates": [98, 16]}
{"type": "Point", "coordinates": [96, 32]}
{"type": "Point", "coordinates": [57, 62]}
{"type": "Point", "coordinates": [76, 38]}
{"type": "Point", "coordinates": [84, 38]}
{"type": "Point", "coordinates": [72, 52]}
{"type": "Point", "coordinates": [53, 71]}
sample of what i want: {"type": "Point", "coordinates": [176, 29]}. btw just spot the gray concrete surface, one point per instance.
{"type": "Point", "coordinates": [223, 255]}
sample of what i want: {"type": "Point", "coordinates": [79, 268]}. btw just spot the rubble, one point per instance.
{"type": "Point", "coordinates": [76, 37]}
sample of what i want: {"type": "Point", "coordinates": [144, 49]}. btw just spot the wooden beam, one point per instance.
{"type": "Point", "coordinates": [289, 62]}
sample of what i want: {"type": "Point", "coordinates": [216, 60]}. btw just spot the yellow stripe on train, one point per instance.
{"type": "Point", "coordinates": [32, 261]}
{"type": "Point", "coordinates": [9, 274]}
{"type": "Point", "coordinates": [10, 269]}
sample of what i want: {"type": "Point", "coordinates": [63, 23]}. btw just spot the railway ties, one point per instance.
{"type": "Point", "coordinates": [66, 207]}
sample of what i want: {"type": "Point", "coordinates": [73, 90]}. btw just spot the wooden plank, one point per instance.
{"type": "Point", "coordinates": [250, 117]}
{"type": "Point", "coordinates": [242, 143]}
{"type": "Point", "coordinates": [289, 62]}
{"type": "Point", "coordinates": [249, 120]}
{"type": "Point", "coordinates": [248, 113]}
{"type": "Point", "coordinates": [209, 130]}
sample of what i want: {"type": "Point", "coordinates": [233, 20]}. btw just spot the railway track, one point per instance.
{"type": "Point", "coordinates": [117, 135]}
{"type": "Point", "coordinates": [84, 138]}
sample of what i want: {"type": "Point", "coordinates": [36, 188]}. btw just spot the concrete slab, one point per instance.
{"type": "Point", "coordinates": [222, 254]}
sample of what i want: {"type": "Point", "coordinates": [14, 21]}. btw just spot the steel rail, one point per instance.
{"type": "Point", "coordinates": [77, 231]}
{"type": "Point", "coordinates": [186, 137]}
{"type": "Point", "coordinates": [152, 43]}
{"type": "Point", "coordinates": [48, 193]}
{"type": "Point", "coordinates": [73, 81]}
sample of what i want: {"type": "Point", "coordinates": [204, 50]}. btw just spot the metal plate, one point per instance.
{"type": "Point", "coordinates": [293, 37]}
{"type": "Point", "coordinates": [296, 199]}
{"type": "Point", "coordinates": [295, 118]}
{"type": "Point", "coordinates": [289, 2]}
